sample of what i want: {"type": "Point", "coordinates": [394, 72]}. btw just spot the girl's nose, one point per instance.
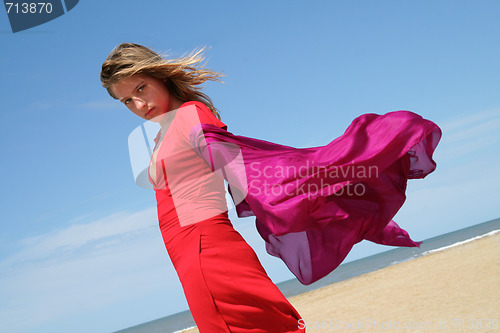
{"type": "Point", "coordinates": [139, 103]}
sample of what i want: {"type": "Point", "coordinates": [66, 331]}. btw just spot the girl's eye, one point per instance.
{"type": "Point", "coordinates": [141, 88]}
{"type": "Point", "coordinates": [127, 101]}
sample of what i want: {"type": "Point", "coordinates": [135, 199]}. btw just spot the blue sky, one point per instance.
{"type": "Point", "coordinates": [80, 250]}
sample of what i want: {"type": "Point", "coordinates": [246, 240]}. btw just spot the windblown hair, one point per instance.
{"type": "Point", "coordinates": [183, 75]}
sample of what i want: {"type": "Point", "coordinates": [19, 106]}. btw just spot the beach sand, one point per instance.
{"type": "Point", "coordinates": [454, 290]}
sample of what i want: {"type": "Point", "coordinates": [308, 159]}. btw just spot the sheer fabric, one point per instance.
{"type": "Point", "coordinates": [313, 204]}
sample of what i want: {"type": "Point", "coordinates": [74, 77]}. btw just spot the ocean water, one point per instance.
{"type": "Point", "coordinates": [182, 320]}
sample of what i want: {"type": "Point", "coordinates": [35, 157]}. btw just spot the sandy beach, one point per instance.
{"type": "Point", "coordinates": [453, 290]}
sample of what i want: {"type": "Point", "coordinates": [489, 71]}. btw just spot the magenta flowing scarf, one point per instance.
{"type": "Point", "coordinates": [313, 204]}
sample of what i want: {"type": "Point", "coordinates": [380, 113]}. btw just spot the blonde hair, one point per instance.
{"type": "Point", "coordinates": [183, 75]}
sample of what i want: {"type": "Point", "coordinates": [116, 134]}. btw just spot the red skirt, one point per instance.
{"type": "Point", "coordinates": [226, 287]}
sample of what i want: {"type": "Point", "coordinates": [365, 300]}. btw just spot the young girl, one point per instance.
{"type": "Point", "coordinates": [311, 205]}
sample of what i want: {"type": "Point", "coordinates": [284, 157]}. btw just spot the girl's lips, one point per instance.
{"type": "Point", "coordinates": [149, 112]}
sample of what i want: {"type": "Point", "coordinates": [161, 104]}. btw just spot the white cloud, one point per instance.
{"type": "Point", "coordinates": [47, 104]}
{"type": "Point", "coordinates": [76, 236]}
{"type": "Point", "coordinates": [456, 124]}
{"type": "Point", "coordinates": [78, 270]}
{"type": "Point", "coordinates": [464, 136]}
{"type": "Point", "coordinates": [108, 104]}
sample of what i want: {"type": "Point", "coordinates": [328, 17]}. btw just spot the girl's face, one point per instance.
{"type": "Point", "coordinates": [146, 96]}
